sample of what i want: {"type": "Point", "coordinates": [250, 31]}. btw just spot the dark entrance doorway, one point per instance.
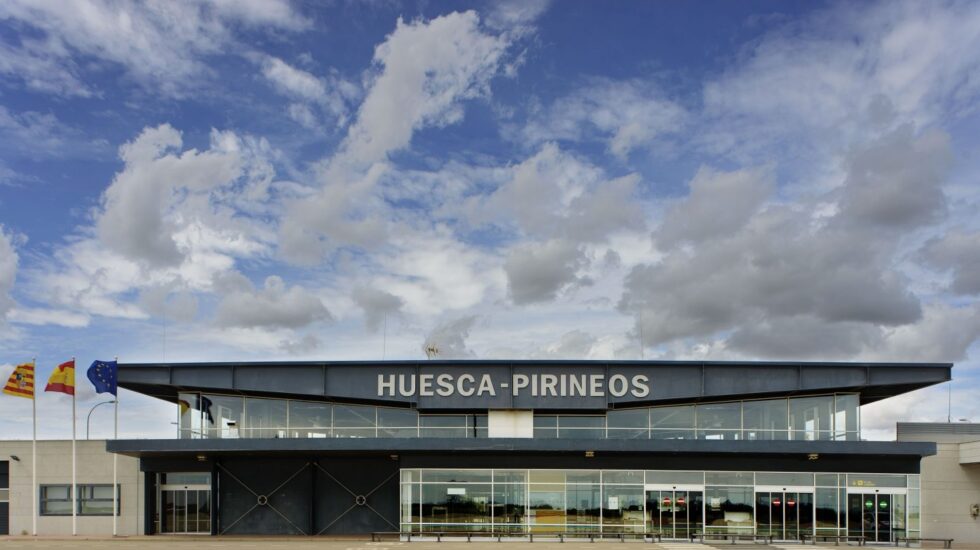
{"type": "Point", "coordinates": [878, 517]}
{"type": "Point", "coordinates": [784, 514]}
{"type": "Point", "coordinates": [675, 514]}
{"type": "Point", "coordinates": [4, 497]}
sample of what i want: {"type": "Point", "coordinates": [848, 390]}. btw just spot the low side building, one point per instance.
{"type": "Point", "coordinates": [94, 495]}
{"type": "Point", "coordinates": [950, 479]}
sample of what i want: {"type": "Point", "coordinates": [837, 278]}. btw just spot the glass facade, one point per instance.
{"type": "Point", "coordinates": [673, 504]}
{"type": "Point", "coordinates": [822, 417]}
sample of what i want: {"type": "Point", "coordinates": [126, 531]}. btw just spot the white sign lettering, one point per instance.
{"type": "Point", "coordinates": [535, 385]}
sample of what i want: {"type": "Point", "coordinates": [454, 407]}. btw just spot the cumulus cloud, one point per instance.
{"type": "Point", "coordinates": [537, 272]}
{"type": "Point", "coordinates": [957, 251]}
{"type": "Point", "coordinates": [160, 45]}
{"type": "Point", "coordinates": [625, 114]}
{"type": "Point", "coordinates": [425, 71]}
{"type": "Point", "coordinates": [768, 272]}
{"type": "Point", "coordinates": [555, 194]}
{"type": "Point", "coordinates": [376, 304]}
{"type": "Point", "coordinates": [158, 209]}
{"type": "Point", "coordinates": [718, 204]}
{"type": "Point", "coordinates": [276, 305]}
{"type": "Point", "coordinates": [448, 339]}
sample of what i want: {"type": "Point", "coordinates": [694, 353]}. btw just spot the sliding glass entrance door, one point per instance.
{"type": "Point", "coordinates": [184, 504]}
{"type": "Point", "coordinates": [879, 517]}
{"type": "Point", "coordinates": [674, 513]}
{"type": "Point", "coordinates": [784, 514]}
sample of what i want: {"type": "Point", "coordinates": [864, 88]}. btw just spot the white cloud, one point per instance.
{"type": "Point", "coordinates": [625, 114]}
{"type": "Point", "coordinates": [161, 45]}
{"type": "Point", "coordinates": [8, 272]}
{"type": "Point", "coordinates": [330, 94]}
{"type": "Point", "coordinates": [426, 69]}
{"type": "Point", "coordinates": [537, 272]}
{"type": "Point", "coordinates": [959, 252]}
{"type": "Point", "coordinates": [276, 305]}
{"type": "Point", "coordinates": [377, 305]}
{"type": "Point", "coordinates": [35, 135]}
{"type": "Point", "coordinates": [840, 75]}
{"type": "Point", "coordinates": [448, 339]}
{"type": "Point", "coordinates": [554, 194]}
{"type": "Point", "coordinates": [40, 316]}
{"type": "Point", "coordinates": [161, 208]}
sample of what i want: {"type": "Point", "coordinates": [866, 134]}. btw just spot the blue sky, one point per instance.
{"type": "Point", "coordinates": [268, 179]}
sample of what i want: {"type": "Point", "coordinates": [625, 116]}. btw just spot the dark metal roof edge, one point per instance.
{"type": "Point", "coordinates": [395, 445]}
{"type": "Point", "coordinates": [541, 362]}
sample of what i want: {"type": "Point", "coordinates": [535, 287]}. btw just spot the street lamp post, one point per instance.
{"type": "Point", "coordinates": [88, 419]}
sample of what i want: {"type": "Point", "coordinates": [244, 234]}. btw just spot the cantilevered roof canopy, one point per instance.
{"type": "Point", "coordinates": [529, 384]}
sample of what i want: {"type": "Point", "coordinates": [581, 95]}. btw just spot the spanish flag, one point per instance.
{"type": "Point", "coordinates": [21, 383]}
{"type": "Point", "coordinates": [63, 378]}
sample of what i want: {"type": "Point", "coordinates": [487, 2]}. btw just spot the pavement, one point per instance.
{"type": "Point", "coordinates": [327, 543]}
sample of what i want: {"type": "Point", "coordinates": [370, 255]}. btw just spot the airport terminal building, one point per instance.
{"type": "Point", "coordinates": [528, 447]}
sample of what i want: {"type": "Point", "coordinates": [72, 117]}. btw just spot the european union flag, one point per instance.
{"type": "Point", "coordinates": [103, 375]}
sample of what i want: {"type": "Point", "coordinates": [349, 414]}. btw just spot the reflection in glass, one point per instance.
{"type": "Point", "coordinates": [728, 509]}
{"type": "Point", "coordinates": [310, 419]}
{"type": "Point", "coordinates": [810, 418]}
{"type": "Point", "coordinates": [582, 502]}
{"type": "Point", "coordinates": [672, 422]}
{"type": "Point", "coordinates": [846, 417]}
{"type": "Point", "coordinates": [628, 424]}
{"type": "Point", "coordinates": [509, 506]}
{"type": "Point", "coordinates": [457, 506]}
{"type": "Point", "coordinates": [547, 506]}
{"type": "Point", "coordinates": [622, 508]}
{"type": "Point", "coordinates": [222, 415]}
{"type": "Point", "coordinates": [264, 418]}
{"type": "Point", "coordinates": [353, 421]}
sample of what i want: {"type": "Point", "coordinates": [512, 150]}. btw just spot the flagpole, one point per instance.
{"type": "Point", "coordinates": [115, 487]}
{"type": "Point", "coordinates": [74, 484]}
{"type": "Point", "coordinates": [34, 449]}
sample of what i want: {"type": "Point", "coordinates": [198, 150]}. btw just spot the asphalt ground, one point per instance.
{"type": "Point", "coordinates": [323, 543]}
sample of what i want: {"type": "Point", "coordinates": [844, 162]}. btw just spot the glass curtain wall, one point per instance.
{"type": "Point", "coordinates": [671, 503]}
{"type": "Point", "coordinates": [826, 417]}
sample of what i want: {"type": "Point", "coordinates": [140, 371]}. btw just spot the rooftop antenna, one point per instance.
{"type": "Point", "coordinates": [431, 350]}
{"type": "Point", "coordinates": [949, 402]}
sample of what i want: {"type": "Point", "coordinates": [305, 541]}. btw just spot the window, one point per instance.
{"type": "Point", "coordinates": [96, 500]}
{"type": "Point", "coordinates": [55, 500]}
{"type": "Point", "coordinates": [93, 500]}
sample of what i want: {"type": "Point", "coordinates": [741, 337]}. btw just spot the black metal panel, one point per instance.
{"type": "Point", "coordinates": [833, 377]}
{"type": "Point", "coordinates": [4, 518]}
{"type": "Point", "coordinates": [373, 446]}
{"type": "Point", "coordinates": [206, 376]}
{"type": "Point", "coordinates": [294, 380]}
{"type": "Point", "coordinates": [261, 496]}
{"type": "Point", "coordinates": [339, 484]}
{"type": "Point", "coordinates": [710, 462]}
{"type": "Point", "coordinates": [4, 474]}
{"type": "Point", "coordinates": [676, 381]}
{"type": "Point", "coordinates": [889, 375]}
{"type": "Point", "coordinates": [724, 380]}
{"type": "Point", "coordinates": [149, 501]}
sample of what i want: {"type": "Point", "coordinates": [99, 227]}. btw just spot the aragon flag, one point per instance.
{"type": "Point", "coordinates": [21, 382]}
{"type": "Point", "coordinates": [63, 378]}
